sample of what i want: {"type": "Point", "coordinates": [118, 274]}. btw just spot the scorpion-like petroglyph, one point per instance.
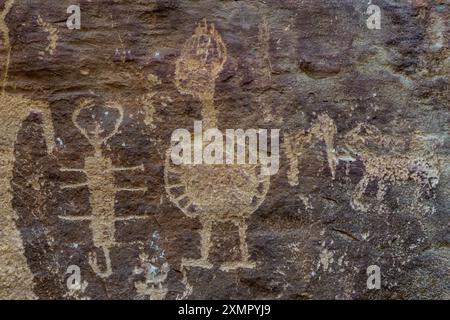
{"type": "Point", "coordinates": [214, 193]}
{"type": "Point", "coordinates": [100, 181]}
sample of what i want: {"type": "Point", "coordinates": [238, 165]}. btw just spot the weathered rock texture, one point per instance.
{"type": "Point", "coordinates": [87, 116]}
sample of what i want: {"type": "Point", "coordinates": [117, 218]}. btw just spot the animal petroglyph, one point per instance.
{"type": "Point", "coordinates": [214, 193]}
{"type": "Point", "coordinates": [15, 276]}
{"type": "Point", "coordinates": [296, 143]}
{"type": "Point", "coordinates": [393, 167]}
{"type": "Point", "coordinates": [52, 35]}
{"type": "Point", "coordinates": [100, 181]}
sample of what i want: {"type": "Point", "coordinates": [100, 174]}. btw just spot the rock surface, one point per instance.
{"type": "Point", "coordinates": [87, 116]}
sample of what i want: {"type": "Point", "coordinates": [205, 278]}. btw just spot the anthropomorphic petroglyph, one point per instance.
{"type": "Point", "coordinates": [296, 144]}
{"type": "Point", "coordinates": [214, 193]}
{"type": "Point", "coordinates": [100, 181]}
{"type": "Point", "coordinates": [15, 277]}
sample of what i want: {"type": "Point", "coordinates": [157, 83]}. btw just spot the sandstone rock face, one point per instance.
{"type": "Point", "coordinates": [91, 206]}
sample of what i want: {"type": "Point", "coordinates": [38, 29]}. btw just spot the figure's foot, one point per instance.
{"type": "Point", "coordinates": [199, 263]}
{"type": "Point", "coordinates": [234, 265]}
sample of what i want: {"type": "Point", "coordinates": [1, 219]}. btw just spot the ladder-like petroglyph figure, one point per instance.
{"type": "Point", "coordinates": [100, 181]}
{"type": "Point", "coordinates": [214, 193]}
{"type": "Point", "coordinates": [324, 129]}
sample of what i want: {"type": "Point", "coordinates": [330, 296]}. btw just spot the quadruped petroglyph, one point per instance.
{"type": "Point", "coordinates": [213, 193]}
{"type": "Point", "coordinates": [296, 143]}
{"type": "Point", "coordinates": [100, 181]}
{"type": "Point", "coordinates": [390, 160]}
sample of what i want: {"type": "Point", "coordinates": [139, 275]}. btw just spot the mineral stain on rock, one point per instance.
{"type": "Point", "coordinates": [91, 206]}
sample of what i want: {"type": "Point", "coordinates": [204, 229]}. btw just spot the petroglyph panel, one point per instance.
{"type": "Point", "coordinates": [93, 206]}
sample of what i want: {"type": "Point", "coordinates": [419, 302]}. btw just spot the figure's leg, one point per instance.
{"type": "Point", "coordinates": [205, 235]}
{"type": "Point", "coordinates": [206, 239]}
{"type": "Point", "coordinates": [243, 240]}
{"type": "Point", "coordinates": [244, 262]}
